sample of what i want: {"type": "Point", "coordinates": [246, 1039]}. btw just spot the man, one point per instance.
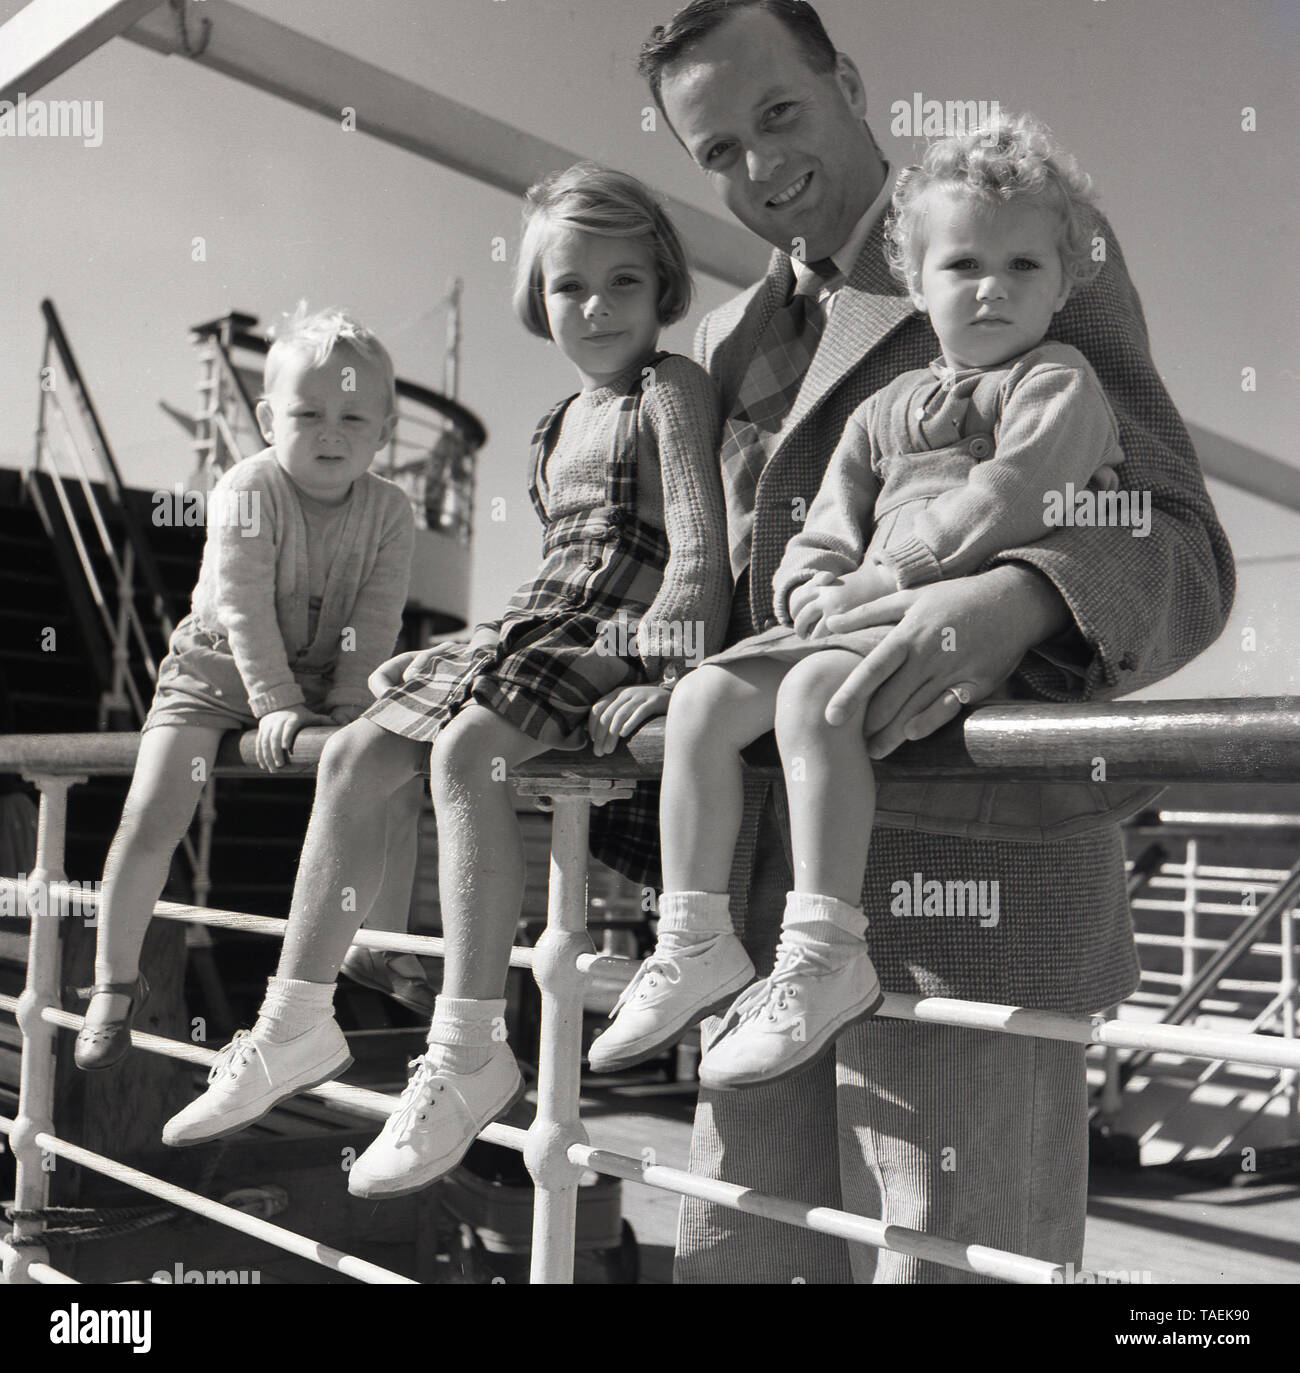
{"type": "Point", "coordinates": [977, 1137]}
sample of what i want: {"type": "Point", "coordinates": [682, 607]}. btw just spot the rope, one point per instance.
{"type": "Point", "coordinates": [83, 1224]}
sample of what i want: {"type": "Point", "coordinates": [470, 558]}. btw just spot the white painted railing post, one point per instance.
{"type": "Point", "coordinates": [36, 1073]}
{"type": "Point", "coordinates": [556, 1126]}
{"type": "Point", "coordinates": [1287, 930]}
{"type": "Point", "coordinates": [1112, 1092]}
{"type": "Point", "coordinates": [1190, 893]}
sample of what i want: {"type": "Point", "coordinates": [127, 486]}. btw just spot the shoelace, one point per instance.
{"type": "Point", "coordinates": [236, 1055]}
{"type": "Point", "coordinates": [664, 965]}
{"type": "Point", "coordinates": [775, 992]}
{"type": "Point", "coordinates": [416, 1098]}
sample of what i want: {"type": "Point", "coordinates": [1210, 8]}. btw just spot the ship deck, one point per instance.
{"type": "Point", "coordinates": [1154, 1221]}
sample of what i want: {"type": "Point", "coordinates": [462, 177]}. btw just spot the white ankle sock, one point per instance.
{"type": "Point", "coordinates": [466, 1030]}
{"type": "Point", "coordinates": [692, 917]}
{"type": "Point", "coordinates": [290, 1008]}
{"type": "Point", "coordinates": [810, 916]}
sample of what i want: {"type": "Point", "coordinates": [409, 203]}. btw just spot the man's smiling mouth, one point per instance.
{"type": "Point", "coordinates": [790, 193]}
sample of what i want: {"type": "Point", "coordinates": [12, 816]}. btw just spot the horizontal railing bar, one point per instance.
{"type": "Point", "coordinates": [434, 947]}
{"type": "Point", "coordinates": [269, 925]}
{"type": "Point", "coordinates": [1093, 1029]}
{"type": "Point", "coordinates": [1175, 877]}
{"type": "Point", "coordinates": [973, 1258]}
{"type": "Point", "coordinates": [323, 1254]}
{"type": "Point", "coordinates": [1262, 1050]}
{"type": "Point", "coordinates": [1224, 908]}
{"type": "Point", "coordinates": [1215, 819]}
{"type": "Point", "coordinates": [1156, 742]}
{"type": "Point", "coordinates": [360, 1101]}
{"type": "Point", "coordinates": [1177, 941]}
{"type": "Point", "coordinates": [1215, 872]}
{"type": "Point", "coordinates": [39, 1272]}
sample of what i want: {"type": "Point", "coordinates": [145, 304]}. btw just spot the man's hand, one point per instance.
{"type": "Point", "coordinates": [951, 643]}
{"type": "Point", "coordinates": [277, 731]}
{"type": "Point", "coordinates": [623, 712]}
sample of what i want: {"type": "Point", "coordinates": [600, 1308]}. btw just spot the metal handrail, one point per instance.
{"type": "Point", "coordinates": [1144, 742]}
{"type": "Point", "coordinates": [137, 554]}
{"type": "Point", "coordinates": [108, 464]}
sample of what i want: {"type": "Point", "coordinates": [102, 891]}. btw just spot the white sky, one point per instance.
{"type": "Point", "coordinates": [1148, 95]}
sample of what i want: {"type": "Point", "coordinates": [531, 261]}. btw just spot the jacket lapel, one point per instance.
{"type": "Point", "coordinates": [735, 352]}
{"type": "Point", "coordinates": [868, 308]}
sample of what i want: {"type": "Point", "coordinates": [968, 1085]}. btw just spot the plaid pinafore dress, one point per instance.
{"type": "Point", "coordinates": [568, 636]}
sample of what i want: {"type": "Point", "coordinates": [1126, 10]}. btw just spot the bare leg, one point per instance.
{"type": "Point", "coordinates": [392, 908]}
{"type": "Point", "coordinates": [715, 712]}
{"type": "Point", "coordinates": [480, 849]}
{"type": "Point", "coordinates": [341, 870]}
{"type": "Point", "coordinates": [170, 771]}
{"type": "Point", "coordinates": [828, 778]}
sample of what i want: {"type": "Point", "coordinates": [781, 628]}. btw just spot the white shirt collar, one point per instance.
{"type": "Point", "coordinates": [846, 255]}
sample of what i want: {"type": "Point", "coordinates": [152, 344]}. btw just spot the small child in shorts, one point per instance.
{"type": "Point", "coordinates": [305, 573]}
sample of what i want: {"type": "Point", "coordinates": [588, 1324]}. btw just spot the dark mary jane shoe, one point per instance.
{"type": "Point", "coordinates": [102, 1046]}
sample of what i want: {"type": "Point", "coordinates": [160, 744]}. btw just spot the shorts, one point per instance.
{"type": "Point", "coordinates": [199, 684]}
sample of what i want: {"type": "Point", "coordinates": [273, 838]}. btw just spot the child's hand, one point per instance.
{"type": "Point", "coordinates": [806, 592]}
{"type": "Point", "coordinates": [277, 731]}
{"type": "Point", "coordinates": [825, 598]}
{"type": "Point", "coordinates": [485, 639]}
{"type": "Point", "coordinates": [344, 715]}
{"type": "Point", "coordinates": [623, 712]}
{"type": "Point", "coordinates": [387, 675]}
{"type": "Point", "coordinates": [1105, 479]}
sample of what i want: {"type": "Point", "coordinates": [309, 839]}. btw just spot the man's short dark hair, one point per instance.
{"type": "Point", "coordinates": [697, 20]}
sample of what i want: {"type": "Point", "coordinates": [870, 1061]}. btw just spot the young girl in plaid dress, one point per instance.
{"type": "Point", "coordinates": [935, 473]}
{"type": "Point", "coordinates": [634, 575]}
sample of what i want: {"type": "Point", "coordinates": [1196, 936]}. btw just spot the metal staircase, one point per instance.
{"type": "Point", "coordinates": [1217, 942]}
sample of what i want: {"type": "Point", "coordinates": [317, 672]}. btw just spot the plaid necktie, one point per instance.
{"type": "Point", "coordinates": [766, 396]}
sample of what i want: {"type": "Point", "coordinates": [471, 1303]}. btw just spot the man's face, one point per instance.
{"type": "Point", "coordinates": [784, 147]}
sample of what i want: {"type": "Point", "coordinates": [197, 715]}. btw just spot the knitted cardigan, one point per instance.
{"type": "Point", "coordinates": [253, 588]}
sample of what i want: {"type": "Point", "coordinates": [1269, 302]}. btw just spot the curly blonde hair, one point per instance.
{"type": "Point", "coordinates": [316, 334]}
{"type": "Point", "coordinates": [1011, 157]}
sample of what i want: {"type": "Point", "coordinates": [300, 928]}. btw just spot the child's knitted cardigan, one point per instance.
{"type": "Point", "coordinates": [253, 587]}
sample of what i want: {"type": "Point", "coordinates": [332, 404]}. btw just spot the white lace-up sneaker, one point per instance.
{"type": "Point", "coordinates": [669, 993]}
{"type": "Point", "coordinates": [784, 1023]}
{"type": "Point", "coordinates": [251, 1075]}
{"type": "Point", "coordinates": [440, 1115]}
